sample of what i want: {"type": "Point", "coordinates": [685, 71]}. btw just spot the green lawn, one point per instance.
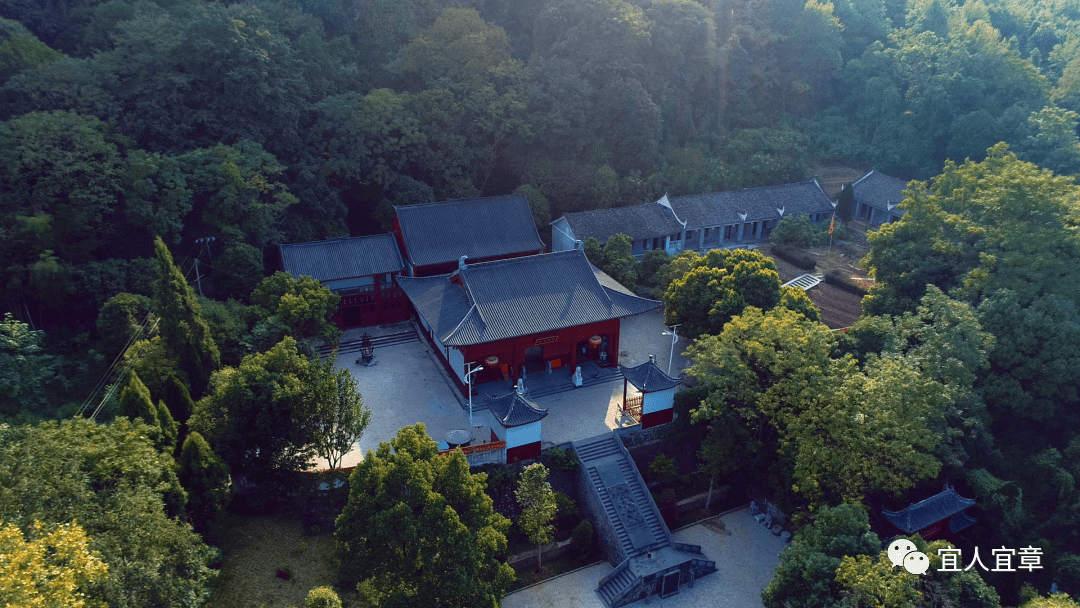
{"type": "Point", "coordinates": [255, 548]}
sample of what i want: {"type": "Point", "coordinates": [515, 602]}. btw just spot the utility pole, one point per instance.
{"type": "Point", "coordinates": [674, 333]}
{"type": "Point", "coordinates": [468, 380]}
{"type": "Point", "coordinates": [198, 277]}
{"type": "Point", "coordinates": [205, 242]}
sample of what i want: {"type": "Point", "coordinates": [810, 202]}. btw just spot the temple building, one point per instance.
{"type": "Point", "coordinates": [434, 236]}
{"type": "Point", "coordinates": [698, 222]}
{"type": "Point", "coordinates": [876, 198]}
{"type": "Point", "coordinates": [521, 315]}
{"type": "Point", "coordinates": [359, 269]}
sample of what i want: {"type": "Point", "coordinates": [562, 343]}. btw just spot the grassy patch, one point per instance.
{"type": "Point", "coordinates": [255, 548]}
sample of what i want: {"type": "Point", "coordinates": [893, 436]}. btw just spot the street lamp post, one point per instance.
{"type": "Point", "coordinates": [674, 333]}
{"type": "Point", "coordinates": [468, 380]}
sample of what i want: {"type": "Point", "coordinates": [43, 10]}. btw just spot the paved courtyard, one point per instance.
{"type": "Point", "coordinates": [405, 386]}
{"type": "Point", "coordinates": [745, 552]}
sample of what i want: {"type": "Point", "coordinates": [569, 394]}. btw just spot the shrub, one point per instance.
{"type": "Point", "coordinates": [566, 506]}
{"type": "Point", "coordinates": [322, 597]}
{"type": "Point", "coordinates": [561, 460]}
{"type": "Point", "coordinates": [800, 259]}
{"type": "Point", "coordinates": [799, 231]}
{"type": "Point", "coordinates": [794, 230]}
{"type": "Point", "coordinates": [662, 468]}
{"type": "Point", "coordinates": [583, 537]}
{"type": "Point", "coordinates": [651, 264]}
{"type": "Point", "coordinates": [835, 277]}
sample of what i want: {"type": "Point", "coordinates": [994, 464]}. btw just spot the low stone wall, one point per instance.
{"type": "Point", "coordinates": [632, 436]}
{"type": "Point", "coordinates": [551, 551]}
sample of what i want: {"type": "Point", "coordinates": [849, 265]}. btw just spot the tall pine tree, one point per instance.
{"type": "Point", "coordinates": [845, 204]}
{"type": "Point", "coordinates": [206, 479]}
{"type": "Point", "coordinates": [182, 325]}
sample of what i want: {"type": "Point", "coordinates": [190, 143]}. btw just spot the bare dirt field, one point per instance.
{"type": "Point", "coordinates": [839, 308]}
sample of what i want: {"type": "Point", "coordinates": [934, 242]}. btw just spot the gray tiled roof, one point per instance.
{"type": "Point", "coordinates": [648, 377]}
{"type": "Point", "coordinates": [961, 521]}
{"type": "Point", "coordinates": [442, 304]}
{"type": "Point", "coordinates": [515, 410]}
{"type": "Point", "coordinates": [518, 297]}
{"type": "Point", "coordinates": [879, 191]}
{"type": "Point", "coordinates": [607, 281]}
{"type": "Point", "coordinates": [343, 258]}
{"type": "Point", "coordinates": [930, 511]}
{"type": "Point", "coordinates": [723, 208]}
{"type": "Point", "coordinates": [648, 220]}
{"type": "Point", "coordinates": [484, 227]}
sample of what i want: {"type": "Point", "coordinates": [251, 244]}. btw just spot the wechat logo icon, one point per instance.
{"type": "Point", "coordinates": [902, 552]}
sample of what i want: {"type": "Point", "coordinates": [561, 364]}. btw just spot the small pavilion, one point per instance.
{"type": "Point", "coordinates": [654, 402]}
{"type": "Point", "coordinates": [519, 421]}
{"type": "Point", "coordinates": [940, 515]}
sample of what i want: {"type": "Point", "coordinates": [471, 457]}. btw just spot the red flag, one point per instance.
{"type": "Point", "coordinates": [831, 223]}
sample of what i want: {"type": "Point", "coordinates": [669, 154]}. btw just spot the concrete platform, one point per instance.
{"type": "Point", "coordinates": [404, 386]}
{"type": "Point", "coordinates": [746, 554]}
{"type": "Point", "coordinates": [401, 388]}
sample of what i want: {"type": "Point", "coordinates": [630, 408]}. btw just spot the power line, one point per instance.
{"type": "Point", "coordinates": [104, 378]}
{"type": "Point", "coordinates": [132, 340]}
{"type": "Point", "coordinates": [120, 379]}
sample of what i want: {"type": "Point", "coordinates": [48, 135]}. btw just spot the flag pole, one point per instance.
{"type": "Point", "coordinates": [832, 222]}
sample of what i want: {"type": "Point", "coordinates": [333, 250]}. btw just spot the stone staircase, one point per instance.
{"type": "Point", "coordinates": [618, 585]}
{"type": "Point", "coordinates": [632, 513]}
{"type": "Point", "coordinates": [635, 523]}
{"type": "Point", "coordinates": [353, 346]}
{"type": "Point", "coordinates": [602, 376]}
{"type": "Point", "coordinates": [803, 282]}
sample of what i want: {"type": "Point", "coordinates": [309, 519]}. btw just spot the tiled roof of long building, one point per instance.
{"type": "Point", "coordinates": [878, 190]}
{"type": "Point", "coordinates": [518, 297]}
{"type": "Point", "coordinates": [343, 258]}
{"type": "Point", "coordinates": [647, 220]}
{"type": "Point", "coordinates": [723, 208]}
{"type": "Point", "coordinates": [484, 227]}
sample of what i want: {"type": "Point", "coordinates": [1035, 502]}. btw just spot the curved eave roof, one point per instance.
{"type": "Point", "coordinates": [515, 410]}
{"type": "Point", "coordinates": [929, 511]}
{"type": "Point", "coordinates": [648, 377]}
{"type": "Point", "coordinates": [879, 191]}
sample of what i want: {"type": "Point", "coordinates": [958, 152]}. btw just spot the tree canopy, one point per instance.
{"type": "Point", "coordinates": [418, 529]}
{"type": "Point", "coordinates": [124, 494]}
{"type": "Point", "coordinates": [705, 292]}
{"type": "Point", "coordinates": [260, 416]}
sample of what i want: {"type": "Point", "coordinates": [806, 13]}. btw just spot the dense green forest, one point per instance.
{"type": "Point", "coordinates": [287, 121]}
{"type": "Point", "coordinates": [282, 121]}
